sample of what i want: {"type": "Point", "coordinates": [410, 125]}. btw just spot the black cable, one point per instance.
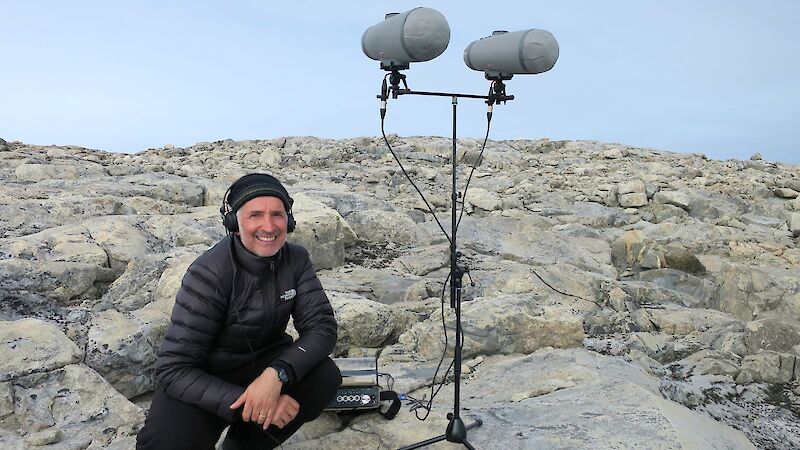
{"type": "Point", "coordinates": [474, 166]}
{"type": "Point", "coordinates": [417, 404]}
{"type": "Point", "coordinates": [390, 384]}
{"type": "Point", "coordinates": [561, 292]}
{"type": "Point", "coordinates": [464, 200]}
{"type": "Point", "coordinates": [430, 208]}
{"type": "Point", "coordinates": [380, 440]}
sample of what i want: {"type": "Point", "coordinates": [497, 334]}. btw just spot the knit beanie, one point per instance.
{"type": "Point", "coordinates": [255, 185]}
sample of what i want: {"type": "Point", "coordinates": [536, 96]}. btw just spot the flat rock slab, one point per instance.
{"type": "Point", "coordinates": [29, 346]}
{"type": "Point", "coordinates": [551, 399]}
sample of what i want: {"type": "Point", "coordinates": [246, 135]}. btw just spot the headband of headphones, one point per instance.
{"type": "Point", "coordinates": [249, 187]}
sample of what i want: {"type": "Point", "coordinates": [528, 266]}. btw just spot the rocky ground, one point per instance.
{"type": "Point", "coordinates": [617, 297]}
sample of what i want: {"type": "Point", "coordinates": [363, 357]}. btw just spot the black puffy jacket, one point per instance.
{"type": "Point", "coordinates": [232, 307]}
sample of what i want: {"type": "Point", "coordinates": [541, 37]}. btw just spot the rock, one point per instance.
{"type": "Point", "coordinates": [792, 183]}
{"type": "Point", "coordinates": [686, 321]}
{"type": "Point", "coordinates": [633, 200]}
{"type": "Point", "coordinates": [744, 377]}
{"type": "Point", "coordinates": [3, 145]}
{"type": "Point", "coordinates": [269, 157]}
{"type": "Point", "coordinates": [785, 193]}
{"type": "Point", "coordinates": [561, 283]}
{"type": "Point", "coordinates": [524, 241]}
{"type": "Point", "coordinates": [751, 292]}
{"type": "Point", "coordinates": [662, 347]}
{"type": "Point", "coordinates": [6, 400]}
{"type": "Point", "coordinates": [169, 283]}
{"type": "Point", "coordinates": [69, 243]}
{"type": "Point", "coordinates": [171, 189]}
{"type": "Point", "coordinates": [64, 282]}
{"type": "Point", "coordinates": [345, 202]}
{"type": "Point", "coordinates": [424, 260]}
{"type": "Point", "coordinates": [762, 221]}
{"type": "Point", "coordinates": [769, 367]}
{"type": "Point", "coordinates": [546, 387]}
{"type": "Point", "coordinates": [201, 228]}
{"type": "Point", "coordinates": [756, 157]}
{"type": "Point", "coordinates": [588, 214]}
{"type": "Point", "coordinates": [627, 248]}
{"type": "Point", "coordinates": [121, 350]}
{"type": "Point", "coordinates": [45, 437]}
{"type": "Point", "coordinates": [632, 194]}
{"type": "Point", "coordinates": [685, 268]}
{"type": "Point", "coordinates": [31, 346]}
{"type": "Point", "coordinates": [135, 287]}
{"type": "Point", "coordinates": [322, 231]}
{"type": "Point", "coordinates": [483, 199]}
{"type": "Point", "coordinates": [712, 207]}
{"type": "Point", "coordinates": [675, 198]}
{"type": "Point", "coordinates": [388, 227]}
{"type": "Point", "coordinates": [120, 239]}
{"type": "Point", "coordinates": [365, 323]}
{"type": "Point", "coordinates": [685, 289]}
{"type": "Point", "coordinates": [770, 334]}
{"type": "Point", "coordinates": [708, 362]}
{"type": "Point", "coordinates": [662, 212]}
{"type": "Point", "coordinates": [682, 259]}
{"type": "Point", "coordinates": [71, 405]}
{"type": "Point", "coordinates": [631, 187]}
{"type": "Point", "coordinates": [39, 172]}
{"type": "Point", "coordinates": [615, 153]}
{"type": "Point", "coordinates": [505, 324]}
{"type": "Point", "coordinates": [794, 223]}
{"type": "Point", "coordinates": [606, 390]}
{"type": "Point", "coordinates": [382, 286]}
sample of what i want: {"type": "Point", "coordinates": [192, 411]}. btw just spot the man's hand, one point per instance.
{"type": "Point", "coordinates": [260, 399]}
{"type": "Point", "coordinates": [285, 411]}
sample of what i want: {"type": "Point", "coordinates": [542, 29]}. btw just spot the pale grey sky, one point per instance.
{"type": "Point", "coordinates": [717, 77]}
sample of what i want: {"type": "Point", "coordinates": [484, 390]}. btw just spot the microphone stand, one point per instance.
{"type": "Point", "coordinates": [456, 431]}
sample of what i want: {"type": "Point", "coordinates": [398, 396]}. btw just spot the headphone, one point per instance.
{"type": "Point", "coordinates": [229, 216]}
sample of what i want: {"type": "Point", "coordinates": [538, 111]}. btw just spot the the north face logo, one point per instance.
{"type": "Point", "coordinates": [288, 295]}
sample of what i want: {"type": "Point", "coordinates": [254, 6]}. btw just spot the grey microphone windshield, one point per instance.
{"type": "Point", "coordinates": [420, 34]}
{"type": "Point", "coordinates": [504, 54]}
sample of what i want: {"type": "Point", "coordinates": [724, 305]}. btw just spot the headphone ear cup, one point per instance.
{"type": "Point", "coordinates": [290, 223]}
{"type": "Point", "coordinates": [229, 222]}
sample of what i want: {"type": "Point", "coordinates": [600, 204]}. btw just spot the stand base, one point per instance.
{"type": "Point", "coordinates": [456, 432]}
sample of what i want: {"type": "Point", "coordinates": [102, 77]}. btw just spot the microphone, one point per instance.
{"type": "Point", "coordinates": [420, 34]}
{"type": "Point", "coordinates": [504, 54]}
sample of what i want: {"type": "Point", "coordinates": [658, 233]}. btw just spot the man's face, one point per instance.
{"type": "Point", "coordinates": [262, 225]}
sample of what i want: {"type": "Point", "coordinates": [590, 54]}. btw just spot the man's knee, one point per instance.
{"type": "Point", "coordinates": [315, 390]}
{"type": "Point", "coordinates": [330, 374]}
{"type": "Point", "coordinates": [172, 424]}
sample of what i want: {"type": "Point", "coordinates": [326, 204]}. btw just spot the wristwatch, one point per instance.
{"type": "Point", "coordinates": [282, 375]}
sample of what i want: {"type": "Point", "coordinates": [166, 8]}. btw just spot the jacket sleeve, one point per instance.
{"type": "Point", "coordinates": [199, 312]}
{"type": "Point", "coordinates": [313, 319]}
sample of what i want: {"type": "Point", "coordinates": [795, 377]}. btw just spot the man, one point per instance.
{"type": "Point", "coordinates": [226, 358]}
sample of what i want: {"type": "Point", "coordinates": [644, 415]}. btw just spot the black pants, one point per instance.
{"type": "Point", "coordinates": [173, 425]}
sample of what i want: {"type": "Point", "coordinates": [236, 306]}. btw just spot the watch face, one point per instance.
{"type": "Point", "coordinates": [282, 375]}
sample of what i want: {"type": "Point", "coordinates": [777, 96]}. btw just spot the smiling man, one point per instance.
{"type": "Point", "coordinates": [226, 358]}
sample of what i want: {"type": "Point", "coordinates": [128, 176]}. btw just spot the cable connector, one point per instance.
{"type": "Point", "coordinates": [384, 97]}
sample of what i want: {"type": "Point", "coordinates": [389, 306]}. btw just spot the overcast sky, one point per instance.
{"type": "Point", "coordinates": [718, 77]}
